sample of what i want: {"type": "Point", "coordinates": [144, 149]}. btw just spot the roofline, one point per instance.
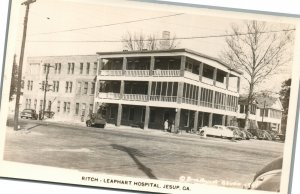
{"type": "Point", "coordinates": [171, 51]}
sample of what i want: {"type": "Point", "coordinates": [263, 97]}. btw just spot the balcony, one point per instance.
{"type": "Point", "coordinates": [137, 73]}
{"type": "Point", "coordinates": [111, 72]}
{"type": "Point", "coordinates": [207, 81]}
{"type": "Point", "coordinates": [135, 97]}
{"type": "Point", "coordinates": [166, 73]}
{"type": "Point", "coordinates": [221, 85]}
{"type": "Point", "coordinates": [191, 75]}
{"type": "Point", "coordinates": [206, 104]}
{"type": "Point", "coordinates": [114, 96]}
{"type": "Point", "coordinates": [189, 101]}
{"type": "Point", "coordinates": [163, 98]}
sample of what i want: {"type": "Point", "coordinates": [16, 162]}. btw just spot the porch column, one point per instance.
{"type": "Point", "coordinates": [180, 92]}
{"type": "Point", "coordinates": [177, 120]}
{"type": "Point", "coordinates": [238, 84]}
{"type": "Point", "coordinates": [215, 76]}
{"type": "Point", "coordinates": [119, 117]}
{"type": "Point", "coordinates": [124, 65]}
{"type": "Point", "coordinates": [200, 71]}
{"type": "Point", "coordinates": [147, 115]}
{"type": "Point", "coordinates": [223, 120]}
{"type": "Point", "coordinates": [213, 99]}
{"type": "Point", "coordinates": [227, 81]}
{"type": "Point", "coordinates": [122, 89]}
{"type": "Point", "coordinates": [196, 121]}
{"type": "Point", "coordinates": [210, 118]}
{"type": "Point", "coordinates": [182, 65]}
{"type": "Point", "coordinates": [152, 62]}
{"type": "Point", "coordinates": [149, 89]}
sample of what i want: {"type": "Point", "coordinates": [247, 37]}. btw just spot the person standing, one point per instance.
{"type": "Point", "coordinates": [166, 125]}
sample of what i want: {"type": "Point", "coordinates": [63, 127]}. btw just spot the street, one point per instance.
{"type": "Point", "coordinates": [138, 153]}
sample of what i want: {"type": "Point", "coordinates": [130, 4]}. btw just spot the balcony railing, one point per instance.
{"type": "Point", "coordinates": [163, 98]}
{"type": "Point", "coordinates": [231, 88]}
{"type": "Point", "coordinates": [220, 106]}
{"type": "Point", "coordinates": [207, 80]}
{"type": "Point", "coordinates": [137, 73]}
{"type": "Point", "coordinates": [135, 97]}
{"type": "Point", "coordinates": [166, 73]}
{"type": "Point", "coordinates": [111, 72]}
{"type": "Point", "coordinates": [220, 85]}
{"type": "Point", "coordinates": [205, 104]}
{"type": "Point", "coordinates": [191, 75]}
{"type": "Point", "coordinates": [189, 101]}
{"type": "Point", "coordinates": [109, 95]}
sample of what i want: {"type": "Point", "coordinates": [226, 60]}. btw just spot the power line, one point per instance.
{"type": "Point", "coordinates": [106, 25]}
{"type": "Point", "coordinates": [159, 39]}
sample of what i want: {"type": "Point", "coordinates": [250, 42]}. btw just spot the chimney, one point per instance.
{"type": "Point", "coordinates": [165, 43]}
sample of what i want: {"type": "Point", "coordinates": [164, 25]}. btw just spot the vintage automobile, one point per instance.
{"type": "Point", "coordinates": [97, 119]}
{"type": "Point", "coordinates": [29, 114]}
{"type": "Point", "coordinates": [268, 178]}
{"type": "Point", "coordinates": [239, 134]}
{"type": "Point", "coordinates": [218, 131]}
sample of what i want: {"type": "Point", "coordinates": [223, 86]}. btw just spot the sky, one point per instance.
{"type": "Point", "coordinates": [48, 18]}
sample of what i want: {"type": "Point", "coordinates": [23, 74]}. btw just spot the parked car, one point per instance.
{"type": "Point", "coordinates": [96, 119]}
{"type": "Point", "coordinates": [268, 178]}
{"type": "Point", "coordinates": [239, 135]}
{"type": "Point", "coordinates": [257, 133]}
{"type": "Point", "coordinates": [218, 131]}
{"type": "Point", "coordinates": [29, 114]}
{"type": "Point", "coordinates": [47, 114]}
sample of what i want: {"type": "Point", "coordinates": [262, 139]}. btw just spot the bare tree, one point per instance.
{"type": "Point", "coordinates": [258, 50]}
{"type": "Point", "coordinates": [135, 41]}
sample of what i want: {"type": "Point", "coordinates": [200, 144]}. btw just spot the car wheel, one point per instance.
{"type": "Point", "coordinates": [88, 123]}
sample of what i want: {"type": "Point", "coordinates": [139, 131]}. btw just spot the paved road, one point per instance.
{"type": "Point", "coordinates": [149, 154]}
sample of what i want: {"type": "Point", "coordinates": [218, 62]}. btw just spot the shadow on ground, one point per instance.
{"type": "Point", "coordinates": [134, 153]}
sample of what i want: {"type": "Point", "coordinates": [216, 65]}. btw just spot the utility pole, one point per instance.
{"type": "Point", "coordinates": [17, 106]}
{"type": "Point", "coordinates": [46, 88]}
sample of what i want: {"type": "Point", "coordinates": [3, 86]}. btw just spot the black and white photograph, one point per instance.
{"type": "Point", "coordinates": [149, 97]}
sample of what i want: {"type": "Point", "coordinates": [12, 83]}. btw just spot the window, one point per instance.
{"type": "Point", "coordinates": [43, 85]}
{"type": "Point", "coordinates": [49, 105]}
{"type": "Point", "coordinates": [28, 85]}
{"type": "Point", "coordinates": [112, 113]}
{"type": "Point", "coordinates": [31, 85]}
{"type": "Point", "coordinates": [68, 106]}
{"type": "Point", "coordinates": [78, 90]}
{"type": "Point", "coordinates": [72, 67]}
{"type": "Point", "coordinates": [85, 88]}
{"type": "Point", "coordinates": [95, 68]}
{"type": "Point", "coordinates": [76, 108]}
{"type": "Point", "coordinates": [45, 68]}
{"type": "Point", "coordinates": [93, 88]}
{"type": "Point", "coordinates": [71, 86]}
{"type": "Point", "coordinates": [91, 109]}
{"type": "Point", "coordinates": [67, 86]}
{"type": "Point", "coordinates": [65, 106]}
{"type": "Point", "coordinates": [69, 68]}
{"type": "Point", "coordinates": [41, 104]}
{"type": "Point", "coordinates": [143, 115]}
{"type": "Point", "coordinates": [35, 103]}
{"type": "Point", "coordinates": [87, 68]}
{"type": "Point", "coordinates": [152, 116]}
{"type": "Point", "coordinates": [83, 108]}
{"type": "Point", "coordinates": [55, 68]}
{"type": "Point", "coordinates": [81, 68]}
{"type": "Point", "coordinates": [131, 114]}
{"type": "Point", "coordinates": [59, 68]}
{"type": "Point", "coordinates": [58, 106]}
{"type": "Point", "coordinates": [57, 86]}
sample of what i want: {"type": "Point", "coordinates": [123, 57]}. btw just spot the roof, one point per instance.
{"type": "Point", "coordinates": [171, 51]}
{"type": "Point", "coordinates": [266, 101]}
